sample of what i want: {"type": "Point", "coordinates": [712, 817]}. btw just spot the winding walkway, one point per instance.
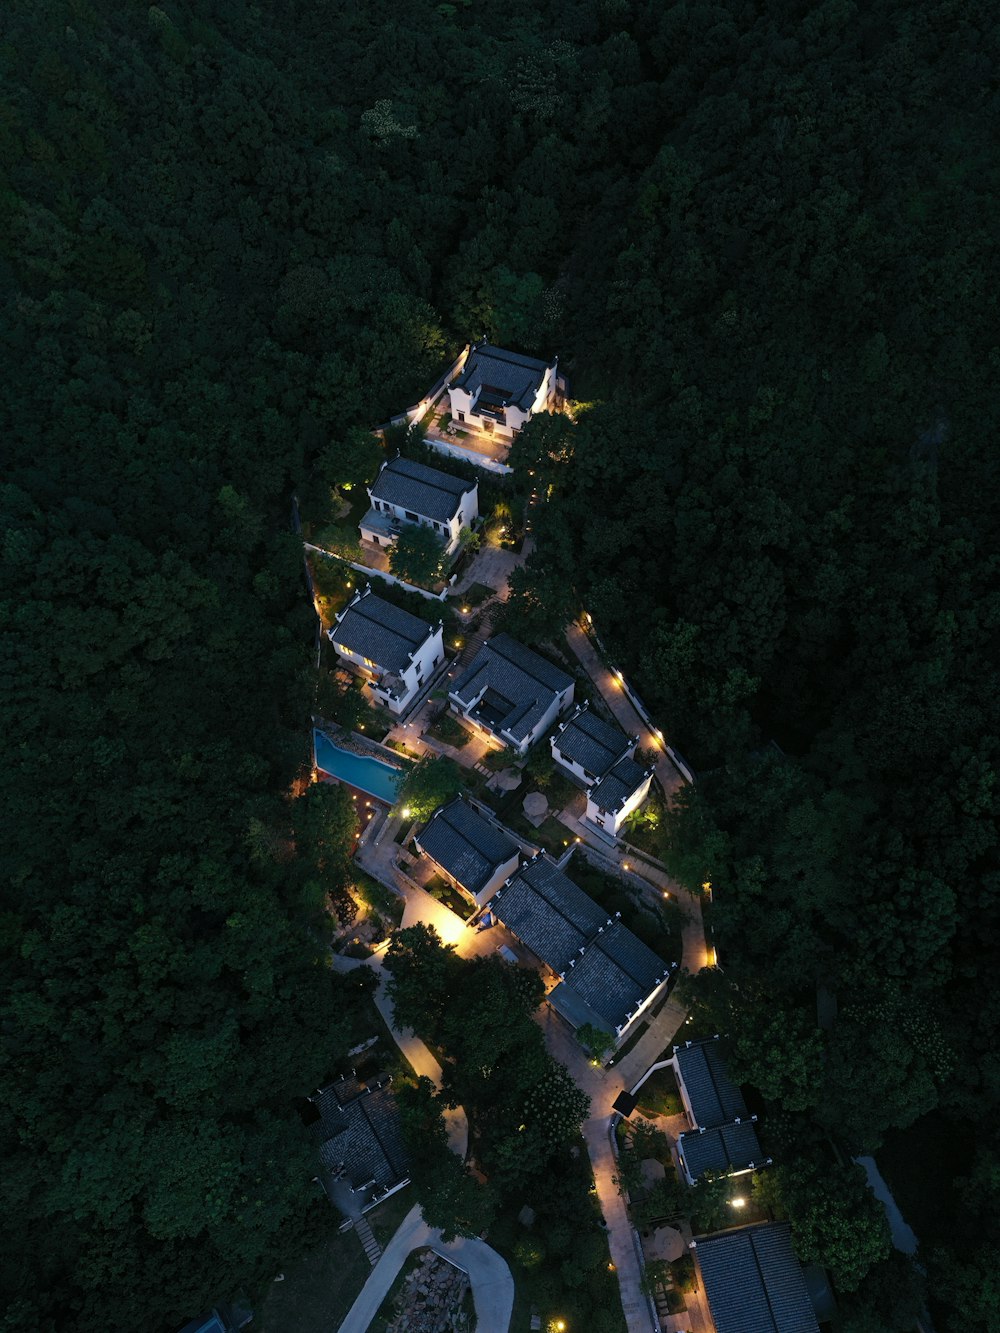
{"type": "Point", "coordinates": [492, 1284]}
{"type": "Point", "coordinates": [618, 701]}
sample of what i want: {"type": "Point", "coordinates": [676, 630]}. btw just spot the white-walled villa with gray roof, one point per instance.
{"type": "Point", "coordinates": [607, 976]}
{"type": "Point", "coordinates": [395, 652]}
{"type": "Point", "coordinates": [499, 391]}
{"type": "Point", "coordinates": [474, 852]}
{"type": "Point", "coordinates": [511, 693]}
{"type": "Point", "coordinates": [405, 492]}
{"type": "Point", "coordinates": [602, 758]}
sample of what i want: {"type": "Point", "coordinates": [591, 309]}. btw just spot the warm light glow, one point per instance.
{"type": "Point", "coordinates": [611, 1267]}
{"type": "Point", "coordinates": [711, 958]}
{"type": "Point", "coordinates": [465, 610]}
{"type": "Point", "coordinates": [666, 894]}
{"type": "Point", "coordinates": [624, 865]}
{"type": "Point", "coordinates": [707, 886]}
{"type": "Point", "coordinates": [738, 1203]}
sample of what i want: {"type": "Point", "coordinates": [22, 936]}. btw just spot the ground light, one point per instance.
{"type": "Point", "coordinates": [738, 1203]}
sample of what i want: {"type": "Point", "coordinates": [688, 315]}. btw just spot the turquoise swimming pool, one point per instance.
{"type": "Point", "coordinates": [358, 770]}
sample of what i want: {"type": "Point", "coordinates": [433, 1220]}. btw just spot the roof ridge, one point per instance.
{"type": "Point", "coordinates": [502, 354]}
{"type": "Point", "coordinates": [356, 606]}
{"type": "Point", "coordinates": [490, 642]}
{"type": "Point", "coordinates": [434, 485]}
{"type": "Point", "coordinates": [763, 1282]}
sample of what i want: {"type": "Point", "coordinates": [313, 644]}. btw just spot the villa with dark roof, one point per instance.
{"type": "Point", "coordinates": [607, 976]}
{"type": "Point", "coordinates": [723, 1137]}
{"type": "Point", "coordinates": [499, 391]}
{"type": "Point", "coordinates": [471, 851]}
{"type": "Point", "coordinates": [407, 492]}
{"type": "Point", "coordinates": [727, 1150]}
{"type": "Point", "coordinates": [601, 757]}
{"type": "Point", "coordinates": [360, 1137]}
{"type": "Point", "coordinates": [754, 1282]}
{"type": "Point", "coordinates": [511, 693]}
{"type": "Point", "coordinates": [395, 652]}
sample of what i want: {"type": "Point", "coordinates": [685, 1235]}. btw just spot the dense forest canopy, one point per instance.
{"type": "Point", "coordinates": [761, 238]}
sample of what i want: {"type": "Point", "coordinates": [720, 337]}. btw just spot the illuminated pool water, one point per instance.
{"type": "Point", "coordinates": [358, 770]}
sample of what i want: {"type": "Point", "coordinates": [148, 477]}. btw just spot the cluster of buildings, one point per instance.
{"type": "Point", "coordinates": [597, 971]}
{"type": "Point", "coordinates": [508, 694]}
{"type": "Point", "coordinates": [752, 1279]}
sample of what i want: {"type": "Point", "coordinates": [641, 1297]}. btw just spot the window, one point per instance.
{"type": "Point", "coordinates": [461, 416]}
{"type": "Point", "coordinates": [369, 663]}
{"type": "Point", "coordinates": [343, 648]}
{"type": "Point", "coordinates": [414, 518]}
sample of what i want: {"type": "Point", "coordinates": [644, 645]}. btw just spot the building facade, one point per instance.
{"type": "Point", "coordinates": [394, 652]}
{"type": "Point", "coordinates": [405, 492]}
{"type": "Point", "coordinates": [498, 391]}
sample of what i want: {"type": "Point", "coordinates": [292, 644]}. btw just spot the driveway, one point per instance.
{"type": "Point", "coordinates": [492, 1284]}
{"type": "Point", "coordinates": [492, 566]}
{"type": "Point", "coordinates": [603, 1086]}
{"type": "Point", "coordinates": [617, 700]}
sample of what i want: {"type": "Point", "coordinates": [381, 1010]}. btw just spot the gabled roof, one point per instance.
{"type": "Point", "coordinates": [519, 683]}
{"type": "Point", "coordinates": [754, 1282]}
{"type": "Point", "coordinates": [715, 1099]}
{"type": "Point", "coordinates": [465, 844]}
{"type": "Point", "coordinates": [424, 490]}
{"type": "Point", "coordinates": [505, 377]}
{"type": "Point", "coordinates": [380, 631]}
{"type": "Point", "coordinates": [359, 1128]}
{"type": "Point", "coordinates": [548, 912]}
{"type": "Point", "coordinates": [725, 1149]}
{"type": "Point", "coordinates": [618, 785]}
{"type": "Point", "coordinates": [615, 974]}
{"type": "Point", "coordinates": [591, 742]}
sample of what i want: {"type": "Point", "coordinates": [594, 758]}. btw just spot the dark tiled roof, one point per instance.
{"type": "Point", "coordinates": [521, 684]}
{"type": "Point", "coordinates": [424, 490]}
{"type": "Point", "coordinates": [728, 1148]}
{"type": "Point", "coordinates": [754, 1282]}
{"type": "Point", "coordinates": [715, 1099]}
{"type": "Point", "coordinates": [548, 912]}
{"type": "Point", "coordinates": [616, 787]}
{"type": "Point", "coordinates": [465, 844]}
{"type": "Point", "coordinates": [615, 973]}
{"type": "Point", "coordinates": [591, 742]}
{"type": "Point", "coordinates": [361, 1130]}
{"type": "Point", "coordinates": [506, 376]}
{"type": "Point", "coordinates": [380, 631]}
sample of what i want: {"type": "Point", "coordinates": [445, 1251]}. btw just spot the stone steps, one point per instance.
{"type": "Point", "coordinates": [371, 1247]}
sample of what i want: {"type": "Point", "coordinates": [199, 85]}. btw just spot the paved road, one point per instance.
{"type": "Point", "coordinates": [492, 1284]}
{"type": "Point", "coordinates": [602, 1086]}
{"type": "Point", "coordinates": [617, 700]}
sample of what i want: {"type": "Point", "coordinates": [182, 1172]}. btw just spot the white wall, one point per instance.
{"type": "Point", "coordinates": [462, 403]}
{"type": "Point", "coordinates": [425, 659]}
{"type": "Point", "coordinates": [613, 822]}
{"type": "Point", "coordinates": [468, 511]}
{"type": "Point", "coordinates": [571, 764]}
{"type": "Point", "coordinates": [559, 704]}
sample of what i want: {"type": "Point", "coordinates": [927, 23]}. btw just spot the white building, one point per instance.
{"type": "Point", "coordinates": [601, 757]}
{"type": "Point", "coordinates": [723, 1136]}
{"type": "Point", "coordinates": [498, 391]}
{"type": "Point", "coordinates": [472, 852]}
{"type": "Point", "coordinates": [511, 693]}
{"type": "Point", "coordinates": [408, 492]}
{"type": "Point", "coordinates": [394, 651]}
